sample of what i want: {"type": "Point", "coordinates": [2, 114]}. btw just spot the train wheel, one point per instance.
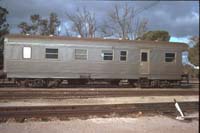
{"type": "Point", "coordinates": [29, 83]}
{"type": "Point", "coordinates": [164, 84]}
{"type": "Point", "coordinates": [37, 83]}
{"type": "Point", "coordinates": [83, 81]}
{"type": "Point", "coordinates": [77, 81]}
{"type": "Point", "coordinates": [53, 83]}
{"type": "Point", "coordinates": [155, 83]}
{"type": "Point", "coordinates": [21, 83]}
{"type": "Point", "coordinates": [144, 83]}
{"type": "Point", "coordinates": [114, 82]}
{"type": "Point", "coordinates": [133, 83]}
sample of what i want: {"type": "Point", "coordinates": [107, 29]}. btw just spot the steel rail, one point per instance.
{"type": "Point", "coordinates": [87, 110]}
{"type": "Point", "coordinates": [65, 94]}
{"type": "Point", "coordinates": [184, 85]}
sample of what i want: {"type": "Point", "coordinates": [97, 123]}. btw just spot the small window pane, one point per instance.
{"type": "Point", "coordinates": [51, 53]}
{"type": "Point", "coordinates": [27, 52]}
{"type": "Point", "coordinates": [107, 58]}
{"type": "Point", "coordinates": [81, 57]}
{"type": "Point", "coordinates": [52, 56]}
{"type": "Point", "coordinates": [144, 57]}
{"type": "Point", "coordinates": [123, 58]}
{"type": "Point", "coordinates": [80, 51]}
{"type": "Point", "coordinates": [80, 54]}
{"type": "Point", "coordinates": [51, 50]}
{"type": "Point", "coordinates": [107, 54]}
{"type": "Point", "coordinates": [123, 55]}
{"type": "Point", "coordinates": [169, 57]}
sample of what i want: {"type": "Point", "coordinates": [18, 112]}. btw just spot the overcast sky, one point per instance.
{"type": "Point", "coordinates": [179, 18]}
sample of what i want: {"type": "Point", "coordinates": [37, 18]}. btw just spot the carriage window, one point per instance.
{"type": "Point", "coordinates": [26, 52]}
{"type": "Point", "coordinates": [123, 55]}
{"type": "Point", "coordinates": [169, 57]}
{"type": "Point", "coordinates": [107, 54]}
{"type": "Point", "coordinates": [51, 53]}
{"type": "Point", "coordinates": [144, 56]}
{"type": "Point", "coordinates": [80, 54]}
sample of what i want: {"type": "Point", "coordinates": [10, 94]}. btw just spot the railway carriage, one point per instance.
{"type": "Point", "coordinates": [48, 60]}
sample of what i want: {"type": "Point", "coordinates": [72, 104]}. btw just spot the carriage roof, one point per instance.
{"type": "Point", "coordinates": [62, 39]}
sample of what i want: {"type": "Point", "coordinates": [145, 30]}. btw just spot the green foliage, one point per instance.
{"type": "Point", "coordinates": [3, 25]}
{"type": "Point", "coordinates": [40, 26]}
{"type": "Point", "coordinates": [44, 27]}
{"type": "Point", "coordinates": [35, 19]}
{"type": "Point", "coordinates": [53, 23]}
{"type": "Point", "coordinates": [155, 35]}
{"type": "Point", "coordinates": [193, 58]}
{"type": "Point", "coordinates": [193, 73]}
{"type": "Point", "coordinates": [25, 28]}
{"type": "Point", "coordinates": [3, 30]}
{"type": "Point", "coordinates": [194, 51]}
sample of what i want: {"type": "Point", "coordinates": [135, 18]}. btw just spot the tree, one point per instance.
{"type": "Point", "coordinates": [35, 19]}
{"type": "Point", "coordinates": [193, 73]}
{"type": "Point", "coordinates": [3, 24]}
{"type": "Point", "coordinates": [3, 31]}
{"type": "Point", "coordinates": [140, 28]}
{"type": "Point", "coordinates": [83, 23]}
{"type": "Point", "coordinates": [44, 30]}
{"type": "Point", "coordinates": [40, 25]}
{"type": "Point", "coordinates": [194, 51]}
{"type": "Point", "coordinates": [53, 23]}
{"type": "Point", "coordinates": [119, 22]}
{"type": "Point", "coordinates": [123, 22]}
{"type": "Point", "coordinates": [25, 28]}
{"type": "Point", "coordinates": [155, 35]}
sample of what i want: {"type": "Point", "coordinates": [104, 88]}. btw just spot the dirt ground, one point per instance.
{"type": "Point", "coordinates": [147, 124]}
{"type": "Point", "coordinates": [97, 101]}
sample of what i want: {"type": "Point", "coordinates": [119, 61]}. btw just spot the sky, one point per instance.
{"type": "Point", "coordinates": [179, 18]}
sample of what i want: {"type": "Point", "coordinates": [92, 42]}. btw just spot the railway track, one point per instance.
{"type": "Point", "coordinates": [12, 84]}
{"type": "Point", "coordinates": [88, 110]}
{"type": "Point", "coordinates": [89, 93]}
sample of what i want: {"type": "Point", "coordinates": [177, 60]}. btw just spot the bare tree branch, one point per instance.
{"type": "Point", "coordinates": [83, 23]}
{"type": "Point", "coordinates": [140, 28]}
{"type": "Point", "coordinates": [122, 22]}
